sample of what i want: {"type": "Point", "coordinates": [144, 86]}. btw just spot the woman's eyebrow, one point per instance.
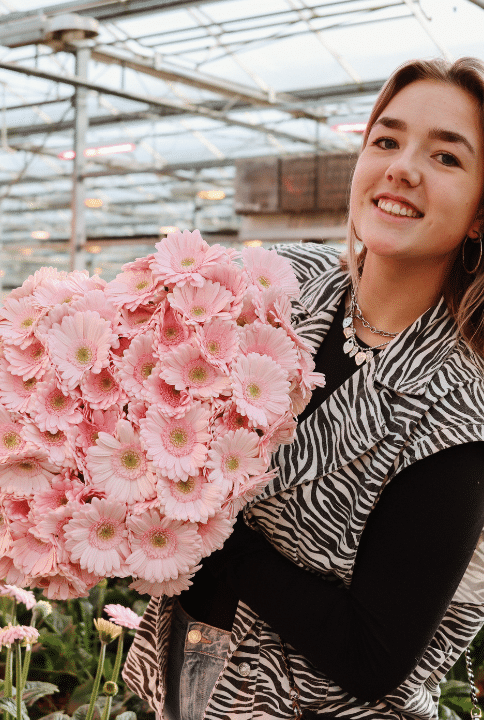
{"type": "Point", "coordinates": [434, 134]}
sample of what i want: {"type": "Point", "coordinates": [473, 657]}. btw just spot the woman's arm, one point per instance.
{"type": "Point", "coordinates": [412, 555]}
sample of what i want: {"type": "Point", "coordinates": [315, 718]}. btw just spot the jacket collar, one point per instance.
{"type": "Point", "coordinates": [409, 362]}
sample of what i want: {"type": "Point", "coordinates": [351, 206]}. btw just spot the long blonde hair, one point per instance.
{"type": "Point", "coordinates": [463, 293]}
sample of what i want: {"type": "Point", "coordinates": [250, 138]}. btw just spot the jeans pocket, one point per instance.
{"type": "Point", "coordinates": [198, 677]}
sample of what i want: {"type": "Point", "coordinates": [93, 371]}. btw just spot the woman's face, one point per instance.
{"type": "Point", "coordinates": [419, 179]}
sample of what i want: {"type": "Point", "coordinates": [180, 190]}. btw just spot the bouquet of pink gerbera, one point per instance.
{"type": "Point", "coordinates": [138, 416]}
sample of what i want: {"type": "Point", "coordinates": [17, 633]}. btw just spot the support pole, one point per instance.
{"type": "Point", "coordinates": [78, 223]}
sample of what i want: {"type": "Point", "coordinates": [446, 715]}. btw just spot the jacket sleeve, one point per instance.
{"type": "Point", "coordinates": [412, 555]}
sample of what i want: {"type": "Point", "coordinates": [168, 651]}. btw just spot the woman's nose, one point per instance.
{"type": "Point", "coordinates": [404, 170]}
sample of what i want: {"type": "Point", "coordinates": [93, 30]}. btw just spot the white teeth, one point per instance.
{"type": "Point", "coordinates": [396, 209]}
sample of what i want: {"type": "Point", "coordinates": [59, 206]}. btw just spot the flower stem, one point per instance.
{"type": "Point", "coordinates": [107, 708]}
{"type": "Point", "coordinates": [8, 679]}
{"type": "Point", "coordinates": [25, 669]}
{"type": "Point", "coordinates": [97, 682]}
{"type": "Point", "coordinates": [18, 679]}
{"type": "Point", "coordinates": [119, 657]}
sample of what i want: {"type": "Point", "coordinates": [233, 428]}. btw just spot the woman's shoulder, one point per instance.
{"type": "Point", "coordinates": [309, 260]}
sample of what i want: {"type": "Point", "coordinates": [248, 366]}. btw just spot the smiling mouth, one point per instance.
{"type": "Point", "coordinates": [395, 208]}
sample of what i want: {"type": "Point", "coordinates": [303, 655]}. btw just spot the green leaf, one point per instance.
{"type": "Point", "coordinates": [445, 713]}
{"type": "Point", "coordinates": [35, 690]}
{"type": "Point", "coordinates": [55, 716]}
{"type": "Point", "coordinates": [11, 707]}
{"type": "Point", "coordinates": [128, 715]}
{"type": "Point", "coordinates": [81, 712]}
{"type": "Point", "coordinates": [454, 688]}
{"type": "Point", "coordinates": [108, 669]}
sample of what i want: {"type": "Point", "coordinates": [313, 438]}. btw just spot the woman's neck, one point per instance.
{"type": "Point", "coordinates": [393, 294]}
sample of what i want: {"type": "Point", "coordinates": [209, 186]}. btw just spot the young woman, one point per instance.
{"type": "Point", "coordinates": [357, 578]}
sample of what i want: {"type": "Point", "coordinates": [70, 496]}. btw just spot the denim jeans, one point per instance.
{"type": "Point", "coordinates": [196, 658]}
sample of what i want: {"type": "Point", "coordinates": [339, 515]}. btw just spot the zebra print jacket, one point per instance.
{"type": "Point", "coordinates": [422, 394]}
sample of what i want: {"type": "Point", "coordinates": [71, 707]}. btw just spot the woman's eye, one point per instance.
{"type": "Point", "coordinates": [448, 159]}
{"type": "Point", "coordinates": [386, 143]}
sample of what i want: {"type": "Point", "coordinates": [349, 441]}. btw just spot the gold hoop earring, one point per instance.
{"type": "Point", "coordinates": [477, 239]}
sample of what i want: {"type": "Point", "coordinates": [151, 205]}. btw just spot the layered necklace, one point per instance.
{"type": "Point", "coordinates": [351, 346]}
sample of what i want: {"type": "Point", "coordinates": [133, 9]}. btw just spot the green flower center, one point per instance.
{"type": "Point", "coordinates": [186, 486]}
{"type": "Point", "coordinates": [26, 466]}
{"type": "Point", "coordinates": [30, 383]}
{"type": "Point", "coordinates": [53, 437]}
{"type": "Point", "coordinates": [213, 347]}
{"type": "Point", "coordinates": [253, 391]}
{"type": "Point", "coordinates": [107, 383]}
{"type": "Point", "coordinates": [37, 352]}
{"type": "Point", "coordinates": [198, 311]}
{"type": "Point", "coordinates": [178, 437]}
{"type": "Point", "coordinates": [147, 369]}
{"type": "Point", "coordinates": [142, 285]}
{"type": "Point", "coordinates": [11, 440]}
{"type": "Point", "coordinates": [264, 281]}
{"type": "Point", "coordinates": [198, 374]}
{"type": "Point", "coordinates": [159, 539]}
{"type": "Point", "coordinates": [130, 459]}
{"type": "Point", "coordinates": [171, 333]}
{"type": "Point", "coordinates": [83, 355]}
{"type": "Point", "coordinates": [187, 262]}
{"type": "Point", "coordinates": [232, 463]}
{"type": "Point", "coordinates": [106, 532]}
{"type": "Point", "coordinates": [58, 402]}
{"type": "Point", "coordinates": [27, 322]}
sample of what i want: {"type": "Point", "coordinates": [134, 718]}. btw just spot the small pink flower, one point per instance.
{"type": "Point", "coordinates": [96, 537]}
{"type": "Point", "coordinates": [16, 394]}
{"type": "Point", "coordinates": [26, 474]}
{"type": "Point", "coordinates": [231, 419]}
{"type": "Point", "coordinates": [10, 573]}
{"type": "Point", "coordinates": [161, 548]}
{"type": "Point", "coordinates": [248, 311]}
{"type": "Point", "coordinates": [215, 531]}
{"type": "Point", "coordinates": [16, 508]}
{"type": "Point", "coordinates": [97, 301]}
{"type": "Point", "coordinates": [186, 369]}
{"type": "Point", "coordinates": [177, 445]}
{"type": "Point", "coordinates": [119, 467]}
{"type": "Point", "coordinates": [133, 287]}
{"type": "Point", "coordinates": [231, 277]}
{"type": "Point", "coordinates": [137, 364]}
{"type": "Point", "coordinates": [55, 410]}
{"type": "Point", "coordinates": [170, 332]}
{"type": "Point", "coordinates": [23, 633]}
{"type": "Point", "coordinates": [26, 597]}
{"type": "Point", "coordinates": [123, 616]}
{"type": "Point", "coordinates": [30, 362]}
{"type": "Point", "coordinates": [260, 388]}
{"type": "Point", "coordinates": [101, 420]}
{"type": "Point", "coordinates": [194, 499]}
{"type": "Point", "coordinates": [199, 304]}
{"type": "Point", "coordinates": [80, 343]}
{"type": "Point", "coordinates": [11, 440]}
{"type": "Point", "coordinates": [134, 322]}
{"type": "Point", "coordinates": [53, 292]}
{"type": "Point", "coordinates": [232, 458]}
{"type": "Point", "coordinates": [167, 587]}
{"type": "Point", "coordinates": [101, 390]}
{"type": "Point", "coordinates": [279, 433]}
{"type": "Point", "coordinates": [63, 489]}
{"type": "Point", "coordinates": [167, 398]}
{"type": "Point", "coordinates": [33, 556]}
{"type": "Point", "coordinates": [55, 445]}
{"type": "Point", "coordinates": [181, 256]}
{"type": "Point", "coordinates": [267, 340]}
{"type": "Point", "coordinates": [267, 269]}
{"type": "Point", "coordinates": [67, 582]}
{"type": "Point", "coordinates": [218, 341]}
{"type": "Point", "coordinates": [18, 319]}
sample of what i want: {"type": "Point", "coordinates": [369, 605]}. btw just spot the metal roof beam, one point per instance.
{"type": "Point", "coordinates": [177, 106]}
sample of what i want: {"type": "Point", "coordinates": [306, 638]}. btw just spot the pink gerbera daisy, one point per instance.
{"type": "Point", "coordinates": [218, 341]}
{"type": "Point", "coordinates": [134, 322]}
{"type": "Point", "coordinates": [80, 343]}
{"type": "Point", "coordinates": [168, 587]}
{"type": "Point", "coordinates": [97, 537]}
{"type": "Point", "coordinates": [63, 489]}
{"type": "Point", "coordinates": [193, 499]}
{"type": "Point", "coordinates": [101, 390]}
{"type": "Point", "coordinates": [261, 388]}
{"type": "Point", "coordinates": [40, 276]}
{"type": "Point", "coordinates": [123, 616]}
{"type": "Point", "coordinates": [23, 633]}
{"type": "Point", "coordinates": [267, 269]}
{"type": "Point", "coordinates": [53, 292]}
{"type": "Point", "coordinates": [161, 548]}
{"type": "Point", "coordinates": [185, 368]}
{"type": "Point", "coordinates": [177, 445]}
{"type": "Point", "coordinates": [28, 362]}
{"type": "Point", "coordinates": [15, 393]}
{"type": "Point", "coordinates": [54, 444]}
{"type": "Point", "coordinates": [170, 401]}
{"type": "Point", "coordinates": [170, 332]}
{"type": "Point", "coordinates": [54, 410]}
{"type": "Point", "coordinates": [279, 433]}
{"type": "Point", "coordinates": [137, 363]}
{"type": "Point", "coordinates": [17, 508]}
{"type": "Point", "coordinates": [248, 311]}
{"type": "Point", "coordinates": [101, 420]}
{"type": "Point", "coordinates": [5, 534]}
{"type": "Point", "coordinates": [232, 458]}
{"type": "Point", "coordinates": [54, 317]}
{"type": "Point", "coordinates": [18, 319]}
{"type": "Point", "coordinates": [67, 582]}
{"type": "Point", "coordinates": [274, 307]}
{"type": "Point", "coordinates": [199, 304]}
{"type": "Point", "coordinates": [50, 526]}
{"type": "Point", "coordinates": [231, 277]}
{"type": "Point", "coordinates": [98, 301]}
{"type": "Point", "coordinates": [118, 465]}
{"type": "Point", "coordinates": [31, 555]}
{"type": "Point", "coordinates": [231, 419]}
{"type": "Point", "coordinates": [267, 340]}
{"type": "Point", "coordinates": [11, 440]}
{"type": "Point", "coordinates": [180, 257]}
{"type": "Point", "coordinates": [134, 287]}
{"type": "Point", "coordinates": [26, 597]}
{"type": "Point", "coordinates": [10, 573]}
{"type": "Point", "coordinates": [215, 531]}
{"type": "Point", "coordinates": [26, 474]}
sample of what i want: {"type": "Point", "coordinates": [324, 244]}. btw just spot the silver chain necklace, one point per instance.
{"type": "Point", "coordinates": [351, 346]}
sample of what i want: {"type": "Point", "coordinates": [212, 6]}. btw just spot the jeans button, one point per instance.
{"type": "Point", "coordinates": [194, 636]}
{"type": "Point", "coordinates": [244, 669]}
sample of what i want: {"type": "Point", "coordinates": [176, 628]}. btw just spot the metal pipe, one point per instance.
{"type": "Point", "coordinates": [78, 222]}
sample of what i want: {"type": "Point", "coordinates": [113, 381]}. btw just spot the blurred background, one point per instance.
{"type": "Point", "coordinates": [122, 120]}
